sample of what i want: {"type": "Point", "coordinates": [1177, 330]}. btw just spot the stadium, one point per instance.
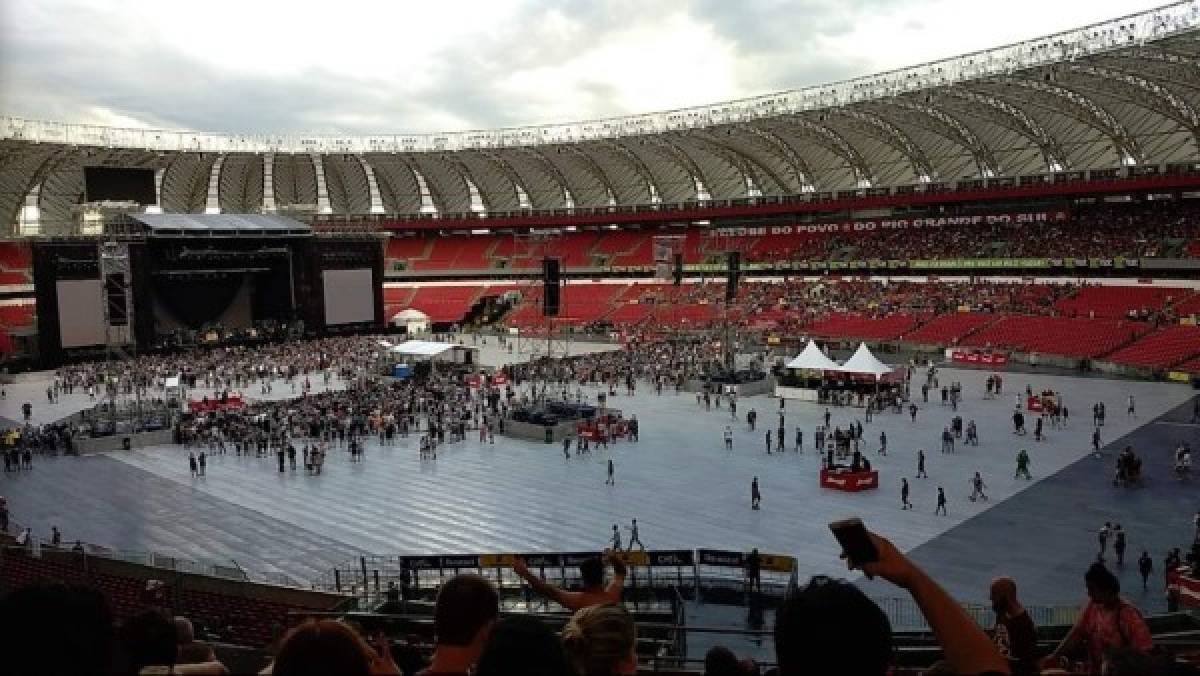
{"type": "Point", "coordinates": [390, 403]}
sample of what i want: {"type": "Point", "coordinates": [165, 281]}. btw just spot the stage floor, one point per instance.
{"type": "Point", "coordinates": [685, 490]}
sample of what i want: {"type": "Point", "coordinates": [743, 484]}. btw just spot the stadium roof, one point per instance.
{"type": "Point", "coordinates": [1118, 93]}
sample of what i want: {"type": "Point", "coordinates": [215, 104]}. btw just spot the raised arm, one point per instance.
{"type": "Point", "coordinates": [966, 647]}
{"type": "Point", "coordinates": [617, 585]}
{"type": "Point", "coordinates": [539, 585]}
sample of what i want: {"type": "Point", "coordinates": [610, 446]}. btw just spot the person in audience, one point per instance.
{"type": "Point", "coordinates": [319, 647]}
{"type": "Point", "coordinates": [602, 641]}
{"type": "Point", "coordinates": [1014, 632]}
{"type": "Point", "coordinates": [591, 572]}
{"type": "Point", "coordinates": [831, 627]}
{"type": "Point", "coordinates": [57, 630]}
{"type": "Point", "coordinates": [463, 618]}
{"type": "Point", "coordinates": [188, 650]}
{"type": "Point", "coordinates": [148, 647]}
{"type": "Point", "coordinates": [720, 661]}
{"type": "Point", "coordinates": [1108, 621]}
{"type": "Point", "coordinates": [523, 645]}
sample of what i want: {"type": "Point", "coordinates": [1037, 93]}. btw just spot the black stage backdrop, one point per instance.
{"type": "Point", "coordinates": [52, 262]}
{"type": "Point", "coordinates": [334, 253]}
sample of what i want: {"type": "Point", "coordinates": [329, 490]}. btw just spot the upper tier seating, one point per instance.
{"type": "Point", "coordinates": [948, 329]}
{"type": "Point", "coordinates": [1162, 349]}
{"type": "Point", "coordinates": [1118, 301]}
{"type": "Point", "coordinates": [15, 256]}
{"type": "Point", "coordinates": [1079, 338]}
{"type": "Point", "coordinates": [408, 248]}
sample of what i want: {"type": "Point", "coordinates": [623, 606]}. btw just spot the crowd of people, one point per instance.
{"type": "Point", "coordinates": [1104, 230]}
{"type": "Point", "coordinates": [825, 626]}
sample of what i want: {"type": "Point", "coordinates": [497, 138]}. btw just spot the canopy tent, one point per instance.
{"type": "Point", "coordinates": [862, 361]}
{"type": "Point", "coordinates": [422, 348]}
{"type": "Point", "coordinates": [412, 319]}
{"type": "Point", "coordinates": [813, 359]}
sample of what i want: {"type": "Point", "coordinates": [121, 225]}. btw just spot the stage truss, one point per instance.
{"type": "Point", "coordinates": [554, 340]}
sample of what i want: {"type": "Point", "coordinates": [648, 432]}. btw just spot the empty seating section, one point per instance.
{"type": "Point", "coordinates": [1080, 338]}
{"type": "Point", "coordinates": [408, 249]}
{"type": "Point", "coordinates": [15, 264]}
{"type": "Point", "coordinates": [1161, 349]}
{"type": "Point", "coordinates": [948, 329]}
{"type": "Point", "coordinates": [1118, 301]}
{"type": "Point", "coordinates": [583, 303]}
{"type": "Point", "coordinates": [473, 253]}
{"type": "Point", "coordinates": [253, 621]}
{"type": "Point", "coordinates": [446, 303]}
{"type": "Point", "coordinates": [443, 251]}
{"type": "Point", "coordinates": [619, 243]}
{"type": "Point", "coordinates": [1188, 306]}
{"type": "Point", "coordinates": [640, 250]}
{"type": "Point", "coordinates": [16, 315]}
{"type": "Point", "coordinates": [850, 325]}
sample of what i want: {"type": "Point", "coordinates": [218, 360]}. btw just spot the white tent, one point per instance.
{"type": "Point", "coordinates": [422, 348]}
{"type": "Point", "coordinates": [813, 359]}
{"type": "Point", "coordinates": [862, 361]}
{"type": "Point", "coordinates": [412, 319]}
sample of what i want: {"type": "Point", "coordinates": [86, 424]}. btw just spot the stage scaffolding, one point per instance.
{"type": "Point", "coordinates": [556, 335]}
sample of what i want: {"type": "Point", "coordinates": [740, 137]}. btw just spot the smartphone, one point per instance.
{"type": "Point", "coordinates": [852, 535]}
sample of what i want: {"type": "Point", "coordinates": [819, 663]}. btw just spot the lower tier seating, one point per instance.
{"type": "Point", "coordinates": [948, 329]}
{"type": "Point", "coordinates": [1162, 349]}
{"type": "Point", "coordinates": [1065, 336]}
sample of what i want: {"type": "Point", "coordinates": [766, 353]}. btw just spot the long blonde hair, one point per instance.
{"type": "Point", "coordinates": [600, 639]}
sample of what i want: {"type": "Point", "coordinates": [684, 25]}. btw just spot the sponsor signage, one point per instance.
{"type": "Point", "coordinates": [681, 557]}
{"type": "Point", "coordinates": [1025, 218]}
{"type": "Point", "coordinates": [717, 557]}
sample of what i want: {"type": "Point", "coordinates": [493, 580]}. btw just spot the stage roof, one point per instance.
{"type": "Point", "coordinates": [235, 224]}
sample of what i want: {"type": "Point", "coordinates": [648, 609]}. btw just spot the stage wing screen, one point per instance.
{"type": "Point", "coordinates": [81, 312]}
{"type": "Point", "coordinates": [349, 296]}
{"type": "Point", "coordinates": [119, 185]}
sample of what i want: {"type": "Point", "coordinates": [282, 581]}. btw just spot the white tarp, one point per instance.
{"type": "Point", "coordinates": [813, 359]}
{"type": "Point", "coordinates": [422, 348]}
{"type": "Point", "coordinates": [173, 381]}
{"type": "Point", "coordinates": [864, 362]}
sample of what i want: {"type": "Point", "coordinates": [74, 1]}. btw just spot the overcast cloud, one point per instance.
{"type": "Point", "coordinates": [361, 66]}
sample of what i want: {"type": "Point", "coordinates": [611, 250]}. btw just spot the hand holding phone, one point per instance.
{"type": "Point", "coordinates": [852, 535]}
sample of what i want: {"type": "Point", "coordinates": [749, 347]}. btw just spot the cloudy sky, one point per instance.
{"type": "Point", "coordinates": [361, 66]}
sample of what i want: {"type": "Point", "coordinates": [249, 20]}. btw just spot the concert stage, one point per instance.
{"type": "Point", "coordinates": [159, 281]}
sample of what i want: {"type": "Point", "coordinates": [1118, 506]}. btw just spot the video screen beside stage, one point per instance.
{"type": "Point", "coordinates": [81, 312]}
{"type": "Point", "coordinates": [119, 184]}
{"type": "Point", "coordinates": [349, 296]}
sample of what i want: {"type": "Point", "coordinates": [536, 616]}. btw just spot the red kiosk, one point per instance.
{"type": "Point", "coordinates": [850, 482]}
{"type": "Point", "coordinates": [605, 426]}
